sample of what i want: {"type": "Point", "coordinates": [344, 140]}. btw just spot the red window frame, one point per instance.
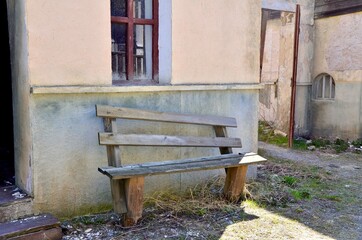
{"type": "Point", "coordinates": [131, 21]}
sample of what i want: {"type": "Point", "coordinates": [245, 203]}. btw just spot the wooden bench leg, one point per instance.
{"type": "Point", "coordinates": [119, 200]}
{"type": "Point", "coordinates": [134, 199]}
{"type": "Point", "coordinates": [235, 182]}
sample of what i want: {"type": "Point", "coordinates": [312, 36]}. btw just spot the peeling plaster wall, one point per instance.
{"type": "Point", "coordinates": [278, 109]}
{"type": "Point", "coordinates": [338, 50]}
{"type": "Point", "coordinates": [285, 71]}
{"type": "Point", "coordinates": [268, 106]}
{"type": "Point", "coordinates": [67, 153]}
{"type": "Point", "coordinates": [277, 71]}
{"type": "Point", "coordinates": [215, 41]}
{"type": "Point", "coordinates": [21, 102]}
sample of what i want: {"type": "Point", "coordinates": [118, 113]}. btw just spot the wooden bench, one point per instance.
{"type": "Point", "coordinates": [127, 182]}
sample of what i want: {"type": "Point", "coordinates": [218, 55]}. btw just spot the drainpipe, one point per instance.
{"type": "Point", "coordinates": [294, 78]}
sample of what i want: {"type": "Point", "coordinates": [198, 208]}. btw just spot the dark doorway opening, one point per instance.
{"type": "Point", "coordinates": [7, 171]}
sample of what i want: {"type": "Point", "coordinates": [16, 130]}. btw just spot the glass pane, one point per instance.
{"type": "Point", "coordinates": [333, 88]}
{"type": "Point", "coordinates": [119, 8]}
{"type": "Point", "coordinates": [119, 60]}
{"type": "Point", "coordinates": [327, 89]}
{"type": "Point", "coordinates": [142, 9]}
{"type": "Point", "coordinates": [142, 52]}
{"type": "Point", "coordinates": [319, 88]}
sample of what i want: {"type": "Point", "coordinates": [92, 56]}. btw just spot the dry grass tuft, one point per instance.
{"type": "Point", "coordinates": [197, 201]}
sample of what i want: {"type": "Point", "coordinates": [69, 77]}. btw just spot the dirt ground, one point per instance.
{"type": "Point", "coordinates": [297, 195]}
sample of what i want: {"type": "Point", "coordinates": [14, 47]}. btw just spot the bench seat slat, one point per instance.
{"type": "Point", "coordinates": [185, 165]}
{"type": "Point", "coordinates": [135, 114]}
{"type": "Point", "coordinates": [167, 141]}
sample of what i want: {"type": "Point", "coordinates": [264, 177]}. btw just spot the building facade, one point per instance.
{"type": "Point", "coordinates": [67, 56]}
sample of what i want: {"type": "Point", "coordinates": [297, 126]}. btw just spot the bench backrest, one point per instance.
{"type": "Point", "coordinates": [112, 139]}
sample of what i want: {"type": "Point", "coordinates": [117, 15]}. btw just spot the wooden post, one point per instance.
{"type": "Point", "coordinates": [235, 183]}
{"type": "Point", "coordinates": [236, 176]}
{"type": "Point", "coordinates": [114, 159]}
{"type": "Point", "coordinates": [134, 197]}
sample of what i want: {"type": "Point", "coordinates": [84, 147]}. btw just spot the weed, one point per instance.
{"type": "Point", "coordinates": [357, 143]}
{"type": "Point", "coordinates": [320, 142]}
{"type": "Point", "coordinates": [290, 180]}
{"type": "Point", "coordinates": [301, 194]}
{"type": "Point", "coordinates": [340, 145]}
{"type": "Point", "coordinates": [300, 144]}
{"type": "Point", "coordinates": [267, 134]}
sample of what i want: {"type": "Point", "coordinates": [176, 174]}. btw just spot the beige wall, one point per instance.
{"type": "Point", "coordinates": [212, 42]}
{"type": "Point", "coordinates": [69, 42]}
{"type": "Point", "coordinates": [338, 47]}
{"type": "Point", "coordinates": [337, 52]}
{"type": "Point", "coordinates": [215, 41]}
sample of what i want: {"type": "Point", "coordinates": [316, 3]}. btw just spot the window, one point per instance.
{"type": "Point", "coordinates": [324, 87]}
{"type": "Point", "coordinates": [134, 31]}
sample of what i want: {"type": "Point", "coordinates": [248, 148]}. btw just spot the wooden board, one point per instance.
{"type": "Point", "coordinates": [128, 113]}
{"type": "Point", "coordinates": [331, 8]}
{"type": "Point", "coordinates": [28, 225]}
{"type": "Point", "coordinates": [184, 165]}
{"type": "Point", "coordinates": [49, 234]}
{"type": "Point", "coordinates": [166, 141]}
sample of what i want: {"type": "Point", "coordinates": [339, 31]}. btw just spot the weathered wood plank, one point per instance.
{"type": "Point", "coordinates": [222, 132]}
{"type": "Point", "coordinates": [113, 152]}
{"type": "Point", "coordinates": [128, 113]}
{"type": "Point", "coordinates": [114, 159]}
{"type": "Point", "coordinates": [49, 234]}
{"type": "Point", "coordinates": [235, 182]}
{"type": "Point", "coordinates": [134, 188]}
{"type": "Point", "coordinates": [336, 7]}
{"type": "Point", "coordinates": [319, 3]}
{"type": "Point", "coordinates": [184, 165]}
{"type": "Point", "coordinates": [28, 225]}
{"type": "Point", "coordinates": [167, 141]}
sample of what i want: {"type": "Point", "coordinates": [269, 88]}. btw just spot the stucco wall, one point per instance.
{"type": "Point", "coordinates": [21, 109]}
{"type": "Point", "coordinates": [302, 125]}
{"type": "Point", "coordinates": [337, 52]}
{"type": "Point", "coordinates": [69, 42]}
{"type": "Point", "coordinates": [67, 154]}
{"type": "Point", "coordinates": [215, 41]}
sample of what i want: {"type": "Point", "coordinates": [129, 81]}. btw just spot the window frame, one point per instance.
{"type": "Point", "coordinates": [130, 21]}
{"type": "Point", "coordinates": [320, 81]}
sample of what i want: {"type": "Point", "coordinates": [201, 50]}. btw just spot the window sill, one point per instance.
{"type": "Point", "coordinates": [326, 100]}
{"type": "Point", "coordinates": [140, 88]}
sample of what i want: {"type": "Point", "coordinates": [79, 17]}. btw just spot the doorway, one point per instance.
{"type": "Point", "coordinates": [7, 171]}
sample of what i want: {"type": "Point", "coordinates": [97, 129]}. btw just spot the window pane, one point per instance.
{"type": "Point", "coordinates": [119, 8]}
{"type": "Point", "coordinates": [142, 9]}
{"type": "Point", "coordinates": [119, 60]}
{"type": "Point", "coordinates": [333, 89]}
{"type": "Point", "coordinates": [319, 88]}
{"type": "Point", "coordinates": [327, 89]}
{"type": "Point", "coordinates": [142, 52]}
